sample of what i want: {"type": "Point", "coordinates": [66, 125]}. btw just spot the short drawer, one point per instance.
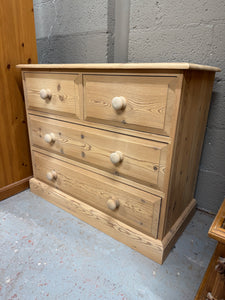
{"type": "Point", "coordinates": [131, 206]}
{"type": "Point", "coordinates": [56, 93]}
{"type": "Point", "coordinates": [137, 102]}
{"type": "Point", "coordinates": [138, 159]}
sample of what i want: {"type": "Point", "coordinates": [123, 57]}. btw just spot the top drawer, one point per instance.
{"type": "Point", "coordinates": [53, 93]}
{"type": "Point", "coordinates": [137, 102]}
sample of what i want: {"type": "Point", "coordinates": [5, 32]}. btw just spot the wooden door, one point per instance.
{"type": "Point", "coordinates": [17, 45]}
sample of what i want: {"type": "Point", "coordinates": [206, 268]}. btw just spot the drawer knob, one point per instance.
{"type": "Point", "coordinates": [49, 138]}
{"type": "Point", "coordinates": [45, 94]}
{"type": "Point", "coordinates": [51, 175]}
{"type": "Point", "coordinates": [119, 103]}
{"type": "Point", "coordinates": [113, 204]}
{"type": "Point", "coordinates": [116, 157]}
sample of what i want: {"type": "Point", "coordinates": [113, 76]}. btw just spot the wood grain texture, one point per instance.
{"type": "Point", "coordinates": [17, 44]}
{"type": "Point", "coordinates": [14, 188]}
{"type": "Point", "coordinates": [216, 231]}
{"type": "Point", "coordinates": [124, 180]}
{"type": "Point", "coordinates": [141, 134]}
{"type": "Point", "coordinates": [178, 227]}
{"type": "Point", "coordinates": [65, 98]}
{"type": "Point", "coordinates": [212, 281]}
{"type": "Point", "coordinates": [148, 106]}
{"type": "Point", "coordinates": [135, 239]}
{"type": "Point", "coordinates": [153, 248]}
{"type": "Point", "coordinates": [126, 66]}
{"type": "Point", "coordinates": [143, 161]}
{"type": "Point", "coordinates": [176, 90]}
{"type": "Point", "coordinates": [194, 107]}
{"type": "Point", "coordinates": [137, 208]}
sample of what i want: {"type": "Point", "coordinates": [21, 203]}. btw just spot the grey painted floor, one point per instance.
{"type": "Point", "coordinates": [46, 253]}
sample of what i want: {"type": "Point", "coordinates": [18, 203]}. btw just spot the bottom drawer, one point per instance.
{"type": "Point", "coordinates": [134, 207]}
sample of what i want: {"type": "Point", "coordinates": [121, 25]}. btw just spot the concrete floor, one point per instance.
{"type": "Point", "coordinates": [46, 253]}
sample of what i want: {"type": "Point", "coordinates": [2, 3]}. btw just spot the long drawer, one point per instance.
{"type": "Point", "coordinates": [132, 206]}
{"type": "Point", "coordinates": [138, 102]}
{"type": "Point", "coordinates": [55, 93]}
{"type": "Point", "coordinates": [138, 159]}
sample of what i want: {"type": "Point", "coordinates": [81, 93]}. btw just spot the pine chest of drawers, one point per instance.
{"type": "Point", "coordinates": [118, 145]}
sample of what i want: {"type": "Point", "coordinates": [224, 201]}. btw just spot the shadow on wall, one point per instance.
{"type": "Point", "coordinates": [210, 189]}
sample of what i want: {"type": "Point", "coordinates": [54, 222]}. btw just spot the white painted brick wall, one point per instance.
{"type": "Point", "coordinates": [160, 31]}
{"type": "Point", "coordinates": [71, 31]}
{"type": "Point", "coordinates": [192, 31]}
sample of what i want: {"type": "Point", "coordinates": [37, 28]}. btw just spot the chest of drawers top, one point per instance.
{"type": "Point", "coordinates": [121, 66]}
{"type": "Point", "coordinates": [123, 142]}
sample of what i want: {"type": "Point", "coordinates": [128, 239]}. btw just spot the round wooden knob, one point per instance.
{"type": "Point", "coordinates": [45, 94]}
{"type": "Point", "coordinates": [119, 103]}
{"type": "Point", "coordinates": [49, 138]}
{"type": "Point", "coordinates": [210, 296]}
{"type": "Point", "coordinates": [113, 204]}
{"type": "Point", "coordinates": [51, 175]}
{"type": "Point", "coordinates": [116, 157]}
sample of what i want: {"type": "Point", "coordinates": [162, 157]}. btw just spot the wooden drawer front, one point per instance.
{"type": "Point", "coordinates": [63, 88]}
{"type": "Point", "coordinates": [149, 101]}
{"type": "Point", "coordinates": [142, 160]}
{"type": "Point", "coordinates": [134, 207]}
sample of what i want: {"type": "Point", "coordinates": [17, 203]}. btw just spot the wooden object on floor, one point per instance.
{"type": "Point", "coordinates": [217, 229]}
{"type": "Point", "coordinates": [213, 283]}
{"type": "Point", "coordinates": [118, 145]}
{"type": "Point", "coordinates": [17, 44]}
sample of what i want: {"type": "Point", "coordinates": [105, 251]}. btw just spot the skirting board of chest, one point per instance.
{"type": "Point", "coordinates": [119, 145]}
